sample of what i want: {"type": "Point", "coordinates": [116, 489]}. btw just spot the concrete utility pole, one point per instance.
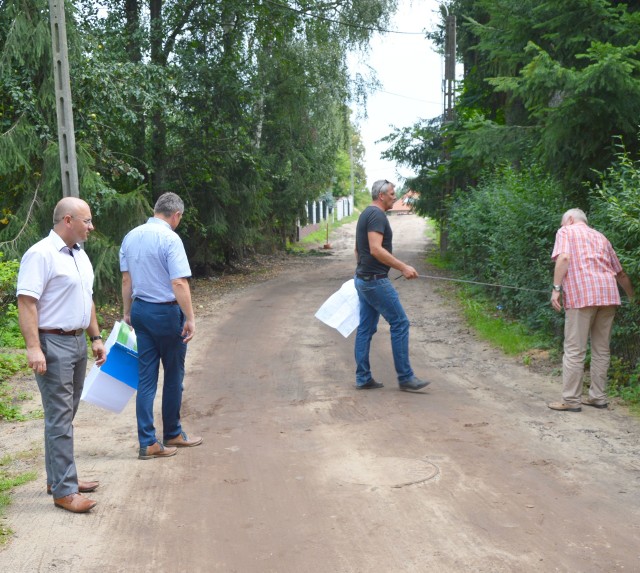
{"type": "Point", "coordinates": [351, 165]}
{"type": "Point", "coordinates": [449, 88]}
{"type": "Point", "coordinates": [449, 67]}
{"type": "Point", "coordinates": [66, 133]}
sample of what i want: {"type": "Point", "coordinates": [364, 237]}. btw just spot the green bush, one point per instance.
{"type": "Point", "coordinates": [10, 335]}
{"type": "Point", "coordinates": [8, 277]}
{"type": "Point", "coordinates": [502, 232]}
{"type": "Point", "coordinates": [362, 200]}
{"type": "Point", "coordinates": [615, 211]}
{"type": "Point", "coordinates": [624, 382]}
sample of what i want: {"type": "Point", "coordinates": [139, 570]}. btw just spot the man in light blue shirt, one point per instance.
{"type": "Point", "coordinates": [157, 304]}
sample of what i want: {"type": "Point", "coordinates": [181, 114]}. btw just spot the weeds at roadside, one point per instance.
{"type": "Point", "coordinates": [624, 383]}
{"type": "Point", "coordinates": [302, 252]}
{"type": "Point", "coordinates": [10, 478]}
{"type": "Point", "coordinates": [11, 364]}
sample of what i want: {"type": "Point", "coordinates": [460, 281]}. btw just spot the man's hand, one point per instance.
{"type": "Point", "coordinates": [556, 300]}
{"type": "Point", "coordinates": [188, 330]}
{"type": "Point", "coordinates": [37, 361]}
{"type": "Point", "coordinates": [408, 272]}
{"type": "Point", "coordinates": [28, 320]}
{"type": "Point", "coordinates": [100, 354]}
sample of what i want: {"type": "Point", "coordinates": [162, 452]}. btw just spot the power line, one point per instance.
{"type": "Point", "coordinates": [342, 23]}
{"type": "Point", "coordinates": [408, 97]}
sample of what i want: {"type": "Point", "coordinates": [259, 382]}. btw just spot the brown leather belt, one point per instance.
{"type": "Point", "coordinates": [60, 331]}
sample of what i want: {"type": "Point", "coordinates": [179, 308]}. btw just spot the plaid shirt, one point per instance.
{"type": "Point", "coordinates": [593, 266]}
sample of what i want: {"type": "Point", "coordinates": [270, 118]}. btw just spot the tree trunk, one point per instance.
{"type": "Point", "coordinates": [134, 50]}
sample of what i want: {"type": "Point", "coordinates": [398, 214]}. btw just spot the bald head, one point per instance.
{"type": "Point", "coordinates": [72, 220]}
{"type": "Point", "coordinates": [68, 206]}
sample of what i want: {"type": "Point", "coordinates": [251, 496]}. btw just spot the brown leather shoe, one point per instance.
{"type": "Point", "coordinates": [182, 441]}
{"type": "Point", "coordinates": [156, 450]}
{"type": "Point", "coordinates": [562, 407]}
{"type": "Point", "coordinates": [83, 486]}
{"type": "Point", "coordinates": [75, 503]}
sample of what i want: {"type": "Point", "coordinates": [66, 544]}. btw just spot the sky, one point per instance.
{"type": "Point", "coordinates": [411, 74]}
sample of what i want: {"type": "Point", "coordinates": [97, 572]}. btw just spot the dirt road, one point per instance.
{"type": "Point", "coordinates": [301, 473]}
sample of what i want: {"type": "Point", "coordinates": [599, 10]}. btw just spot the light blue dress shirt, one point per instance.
{"type": "Point", "coordinates": [153, 255]}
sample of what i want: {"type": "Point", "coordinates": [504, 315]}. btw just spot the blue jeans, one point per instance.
{"type": "Point", "coordinates": [378, 297]}
{"type": "Point", "coordinates": [158, 333]}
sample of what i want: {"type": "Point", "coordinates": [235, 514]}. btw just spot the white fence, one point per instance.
{"type": "Point", "coordinates": [319, 211]}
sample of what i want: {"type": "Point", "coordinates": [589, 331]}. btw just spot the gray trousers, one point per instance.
{"type": "Point", "coordinates": [60, 388]}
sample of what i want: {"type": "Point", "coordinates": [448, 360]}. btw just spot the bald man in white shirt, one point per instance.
{"type": "Point", "coordinates": [55, 308]}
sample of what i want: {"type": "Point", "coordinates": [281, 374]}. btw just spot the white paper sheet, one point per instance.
{"type": "Point", "coordinates": [342, 309]}
{"type": "Point", "coordinates": [105, 391]}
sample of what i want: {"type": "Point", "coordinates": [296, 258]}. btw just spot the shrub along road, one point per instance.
{"type": "Point", "coordinates": [299, 472]}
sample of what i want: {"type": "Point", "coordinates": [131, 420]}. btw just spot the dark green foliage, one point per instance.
{"type": "Point", "coordinates": [616, 212]}
{"type": "Point", "coordinates": [9, 331]}
{"type": "Point", "coordinates": [10, 337]}
{"type": "Point", "coordinates": [8, 274]}
{"type": "Point", "coordinates": [502, 232]}
{"type": "Point", "coordinates": [238, 106]}
{"type": "Point", "coordinates": [556, 81]}
{"type": "Point", "coordinates": [27, 112]}
{"type": "Point", "coordinates": [422, 148]}
{"type": "Point", "coordinates": [615, 201]}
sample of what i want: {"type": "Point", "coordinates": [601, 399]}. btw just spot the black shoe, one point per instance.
{"type": "Point", "coordinates": [590, 402]}
{"type": "Point", "coordinates": [414, 383]}
{"type": "Point", "coordinates": [370, 385]}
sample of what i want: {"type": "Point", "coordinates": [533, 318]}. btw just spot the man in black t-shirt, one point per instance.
{"type": "Point", "coordinates": [376, 293]}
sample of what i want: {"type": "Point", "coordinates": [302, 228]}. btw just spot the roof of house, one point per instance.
{"type": "Point", "coordinates": [405, 203]}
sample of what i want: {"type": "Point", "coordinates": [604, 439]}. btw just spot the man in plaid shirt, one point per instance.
{"type": "Point", "coordinates": [585, 282]}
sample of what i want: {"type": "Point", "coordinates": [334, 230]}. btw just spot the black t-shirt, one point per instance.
{"type": "Point", "coordinates": [372, 219]}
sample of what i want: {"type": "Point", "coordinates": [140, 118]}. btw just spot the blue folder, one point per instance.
{"type": "Point", "coordinates": [122, 364]}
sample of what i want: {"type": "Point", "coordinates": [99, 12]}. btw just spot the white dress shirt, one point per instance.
{"type": "Point", "coordinates": [61, 283]}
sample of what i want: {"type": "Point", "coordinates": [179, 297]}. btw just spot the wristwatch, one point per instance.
{"type": "Point", "coordinates": [94, 338]}
{"type": "Point", "coordinates": [557, 287]}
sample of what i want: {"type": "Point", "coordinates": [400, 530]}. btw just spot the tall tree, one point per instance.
{"type": "Point", "coordinates": [557, 80]}
{"type": "Point", "coordinates": [238, 105]}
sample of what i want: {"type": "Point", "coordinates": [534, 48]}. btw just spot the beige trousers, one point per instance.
{"type": "Point", "coordinates": [582, 324]}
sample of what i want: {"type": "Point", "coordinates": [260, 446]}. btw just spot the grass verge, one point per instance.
{"type": "Point", "coordinates": [488, 321]}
